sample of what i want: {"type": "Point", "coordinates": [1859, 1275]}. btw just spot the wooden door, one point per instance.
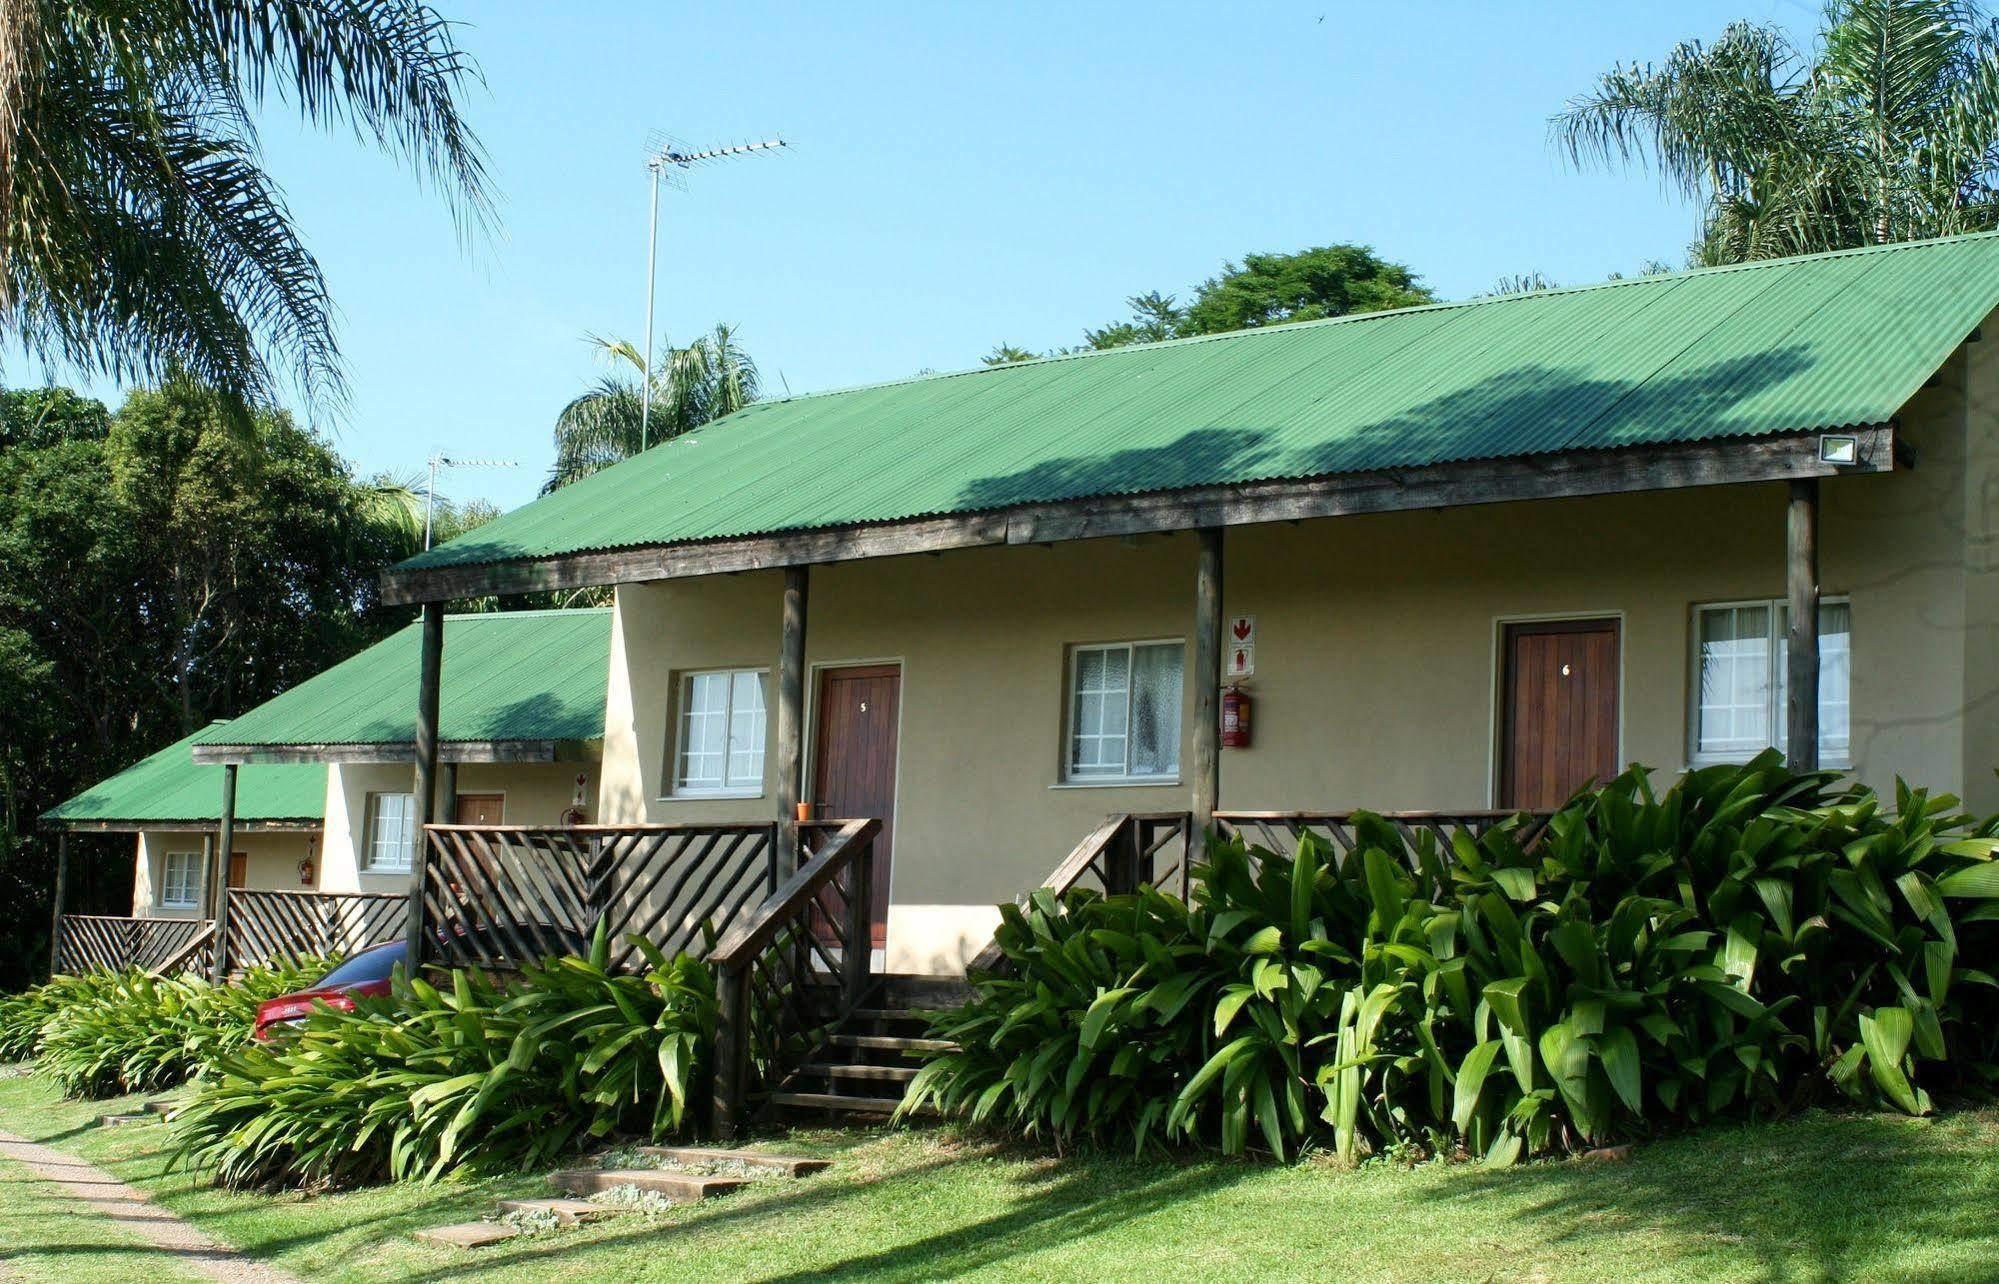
{"type": "Point", "coordinates": [1560, 698]}
{"type": "Point", "coordinates": [853, 759]}
{"type": "Point", "coordinates": [239, 869]}
{"type": "Point", "coordinates": [480, 809]}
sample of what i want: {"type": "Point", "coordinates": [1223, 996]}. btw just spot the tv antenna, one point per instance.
{"type": "Point", "coordinates": [439, 460]}
{"type": "Point", "coordinates": [669, 157]}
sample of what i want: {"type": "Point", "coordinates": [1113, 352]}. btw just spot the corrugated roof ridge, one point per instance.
{"type": "Point", "coordinates": [1351, 318]}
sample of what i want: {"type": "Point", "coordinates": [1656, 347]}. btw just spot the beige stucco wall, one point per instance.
{"type": "Point", "coordinates": [536, 794]}
{"type": "Point", "coordinates": [273, 864]}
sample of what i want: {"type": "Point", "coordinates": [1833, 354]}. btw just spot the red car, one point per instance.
{"type": "Point", "coordinates": [366, 975]}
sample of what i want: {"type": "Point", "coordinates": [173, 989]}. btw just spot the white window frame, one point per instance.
{"type": "Point", "coordinates": [683, 688]}
{"type": "Point", "coordinates": [1072, 663]}
{"type": "Point", "coordinates": [371, 816]}
{"type": "Point", "coordinates": [191, 883]}
{"type": "Point", "coordinates": [1777, 683]}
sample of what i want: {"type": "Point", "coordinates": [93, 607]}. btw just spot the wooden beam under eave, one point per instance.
{"type": "Point", "coordinates": [1567, 475]}
{"type": "Point", "coordinates": [460, 751]}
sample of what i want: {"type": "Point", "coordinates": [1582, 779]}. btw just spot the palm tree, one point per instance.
{"type": "Point", "coordinates": [140, 234]}
{"type": "Point", "coordinates": [691, 386]}
{"type": "Point", "coordinates": [1887, 131]}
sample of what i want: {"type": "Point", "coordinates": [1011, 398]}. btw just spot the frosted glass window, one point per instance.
{"type": "Point", "coordinates": [180, 879]}
{"type": "Point", "coordinates": [1124, 715]}
{"type": "Point", "coordinates": [1739, 710]}
{"type": "Point", "coordinates": [722, 724]}
{"type": "Point", "coordinates": [391, 833]}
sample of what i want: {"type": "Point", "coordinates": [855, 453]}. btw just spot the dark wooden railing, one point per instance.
{"type": "Point", "coordinates": [162, 945]}
{"type": "Point", "coordinates": [793, 970]}
{"type": "Point", "coordinates": [1279, 831]}
{"type": "Point", "coordinates": [269, 927]}
{"type": "Point", "coordinates": [498, 896]}
{"type": "Point", "coordinates": [1125, 852]}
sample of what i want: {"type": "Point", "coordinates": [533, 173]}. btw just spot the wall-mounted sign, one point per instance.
{"type": "Point", "coordinates": [1239, 646]}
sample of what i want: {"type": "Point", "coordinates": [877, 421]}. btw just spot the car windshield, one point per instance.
{"type": "Point", "coordinates": [372, 964]}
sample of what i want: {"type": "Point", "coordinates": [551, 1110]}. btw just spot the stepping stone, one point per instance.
{"type": "Point", "coordinates": [568, 1212]}
{"type": "Point", "coordinates": [675, 1188]}
{"type": "Point", "coordinates": [469, 1234]}
{"type": "Point", "coordinates": [789, 1165]}
{"type": "Point", "coordinates": [160, 1107]}
{"type": "Point", "coordinates": [118, 1121]}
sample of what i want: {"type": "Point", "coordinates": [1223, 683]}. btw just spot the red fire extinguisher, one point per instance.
{"type": "Point", "coordinates": [1235, 719]}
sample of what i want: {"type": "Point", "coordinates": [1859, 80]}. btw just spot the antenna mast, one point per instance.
{"type": "Point", "coordinates": [668, 157]}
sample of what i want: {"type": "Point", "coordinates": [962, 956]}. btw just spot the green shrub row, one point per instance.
{"type": "Point", "coordinates": [1739, 945]}
{"type": "Point", "coordinates": [476, 1073]}
{"type": "Point", "coordinates": [103, 1033]}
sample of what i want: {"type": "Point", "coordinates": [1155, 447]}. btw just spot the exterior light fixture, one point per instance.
{"type": "Point", "coordinates": [1839, 450]}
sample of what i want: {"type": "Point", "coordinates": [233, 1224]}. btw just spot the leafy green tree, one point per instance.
{"type": "Point", "coordinates": [138, 230]}
{"type": "Point", "coordinates": [1326, 281]}
{"type": "Point", "coordinates": [1887, 130]}
{"type": "Point", "coordinates": [1262, 290]}
{"type": "Point", "coordinates": [163, 566]}
{"type": "Point", "coordinates": [691, 386]}
{"type": "Point", "coordinates": [1154, 316]}
{"type": "Point", "coordinates": [1005, 354]}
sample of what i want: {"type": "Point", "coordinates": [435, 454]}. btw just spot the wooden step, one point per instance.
{"type": "Point", "coordinates": [789, 1165]}
{"type": "Point", "coordinates": [835, 1101]}
{"type": "Point", "coordinates": [899, 1074]}
{"type": "Point", "coordinates": [119, 1121]}
{"type": "Point", "coordinates": [161, 1107]}
{"type": "Point", "coordinates": [893, 1043]}
{"type": "Point", "coordinates": [566, 1211]}
{"type": "Point", "coordinates": [678, 1188]}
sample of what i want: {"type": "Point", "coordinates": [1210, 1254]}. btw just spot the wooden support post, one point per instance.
{"type": "Point", "coordinates": [447, 805]}
{"type": "Point", "coordinates": [62, 896]}
{"type": "Point", "coordinates": [1206, 768]}
{"type": "Point", "coordinates": [430, 668]}
{"type": "Point", "coordinates": [791, 712]}
{"type": "Point", "coordinates": [218, 882]}
{"type": "Point", "coordinates": [732, 1051]}
{"type": "Point", "coordinates": [1801, 678]}
{"type": "Point", "coordinates": [856, 963]}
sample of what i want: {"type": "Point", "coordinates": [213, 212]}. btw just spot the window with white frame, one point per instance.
{"type": "Point", "coordinates": [721, 733]}
{"type": "Point", "coordinates": [180, 880]}
{"type": "Point", "coordinates": [1740, 656]}
{"type": "Point", "coordinates": [391, 833]}
{"type": "Point", "coordinates": [1124, 712]}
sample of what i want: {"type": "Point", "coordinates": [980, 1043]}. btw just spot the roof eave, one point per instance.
{"type": "Point", "coordinates": [1717, 461]}
{"type": "Point", "coordinates": [462, 751]}
{"type": "Point", "coordinates": [172, 824]}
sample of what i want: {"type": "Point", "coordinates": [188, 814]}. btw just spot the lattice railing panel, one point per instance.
{"type": "Point", "coordinates": [93, 941]}
{"type": "Point", "coordinates": [268, 927]}
{"type": "Point", "coordinates": [502, 895]}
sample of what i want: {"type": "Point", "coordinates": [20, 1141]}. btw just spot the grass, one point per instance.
{"type": "Point", "coordinates": [1822, 1197]}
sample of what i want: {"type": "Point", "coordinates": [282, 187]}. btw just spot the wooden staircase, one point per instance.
{"type": "Point", "coordinates": [861, 1069]}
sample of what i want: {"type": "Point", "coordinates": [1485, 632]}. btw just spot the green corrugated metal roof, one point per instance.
{"type": "Point", "coordinates": [168, 786]}
{"type": "Point", "coordinates": [1789, 345]}
{"type": "Point", "coordinates": [514, 675]}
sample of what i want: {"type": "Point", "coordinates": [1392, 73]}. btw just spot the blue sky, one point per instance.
{"type": "Point", "coordinates": [960, 175]}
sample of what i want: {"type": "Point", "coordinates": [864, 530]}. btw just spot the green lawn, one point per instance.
{"type": "Point", "coordinates": [1823, 1197]}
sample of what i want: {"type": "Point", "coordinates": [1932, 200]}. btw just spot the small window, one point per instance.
{"type": "Point", "coordinates": [1741, 651]}
{"type": "Point", "coordinates": [391, 833]}
{"type": "Point", "coordinates": [180, 880]}
{"type": "Point", "coordinates": [721, 733]}
{"type": "Point", "coordinates": [1124, 712]}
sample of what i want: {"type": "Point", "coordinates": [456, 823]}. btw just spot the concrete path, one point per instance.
{"type": "Point", "coordinates": [108, 1197]}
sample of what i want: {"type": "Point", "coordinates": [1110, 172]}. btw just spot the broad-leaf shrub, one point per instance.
{"type": "Point", "coordinates": [1734, 947]}
{"type": "Point", "coordinates": [104, 1033]}
{"type": "Point", "coordinates": [469, 1073]}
